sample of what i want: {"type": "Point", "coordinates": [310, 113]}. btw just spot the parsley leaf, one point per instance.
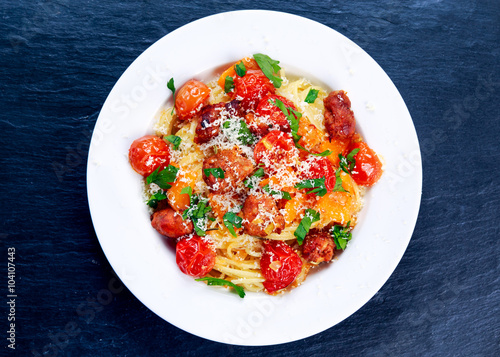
{"type": "Point", "coordinates": [311, 96]}
{"type": "Point", "coordinates": [310, 217]}
{"type": "Point", "coordinates": [171, 86]}
{"type": "Point", "coordinates": [281, 194]}
{"type": "Point", "coordinates": [228, 84]}
{"type": "Point", "coordinates": [158, 196]}
{"type": "Point", "coordinates": [231, 220]}
{"type": "Point", "coordinates": [322, 154]}
{"type": "Point", "coordinates": [347, 163]}
{"type": "Point", "coordinates": [240, 69]}
{"type": "Point", "coordinates": [245, 136]}
{"type": "Point", "coordinates": [338, 182]}
{"type": "Point", "coordinates": [197, 213]}
{"type": "Point", "coordinates": [269, 67]}
{"type": "Point", "coordinates": [174, 139]}
{"type": "Point", "coordinates": [341, 235]}
{"type": "Point", "coordinates": [318, 185]}
{"type": "Point", "coordinates": [188, 190]}
{"type": "Point", "coordinates": [163, 178]}
{"type": "Point", "coordinates": [215, 281]}
{"type": "Point", "coordinates": [292, 116]}
{"type": "Point", "coordinates": [216, 172]}
{"type": "Point", "coordinates": [259, 173]}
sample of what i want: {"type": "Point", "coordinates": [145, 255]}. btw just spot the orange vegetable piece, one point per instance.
{"type": "Point", "coordinates": [249, 63]}
{"type": "Point", "coordinates": [310, 135]}
{"type": "Point", "coordinates": [177, 200]}
{"type": "Point", "coordinates": [336, 146]}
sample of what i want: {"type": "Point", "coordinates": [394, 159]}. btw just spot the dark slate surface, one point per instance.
{"type": "Point", "coordinates": [59, 60]}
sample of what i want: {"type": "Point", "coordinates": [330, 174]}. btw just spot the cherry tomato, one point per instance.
{"type": "Point", "coordinates": [267, 114]}
{"type": "Point", "coordinates": [368, 168]}
{"type": "Point", "coordinates": [274, 149]}
{"type": "Point", "coordinates": [190, 98]}
{"type": "Point", "coordinates": [148, 153]}
{"type": "Point", "coordinates": [314, 167]}
{"type": "Point", "coordinates": [279, 264]}
{"type": "Point", "coordinates": [252, 87]}
{"type": "Point", "coordinates": [195, 256]}
{"type": "Point", "coordinates": [249, 63]}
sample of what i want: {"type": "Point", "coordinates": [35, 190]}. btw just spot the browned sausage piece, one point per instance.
{"type": "Point", "coordinates": [170, 223]}
{"type": "Point", "coordinates": [261, 216]}
{"type": "Point", "coordinates": [339, 118]}
{"type": "Point", "coordinates": [318, 247]}
{"type": "Point", "coordinates": [209, 123]}
{"type": "Point", "coordinates": [208, 126]}
{"type": "Point", "coordinates": [236, 168]}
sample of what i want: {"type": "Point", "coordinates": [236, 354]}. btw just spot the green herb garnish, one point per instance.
{"type": "Point", "coordinates": [171, 86]}
{"type": "Point", "coordinates": [216, 172]}
{"type": "Point", "coordinates": [281, 194]}
{"type": "Point", "coordinates": [175, 140]}
{"type": "Point", "coordinates": [347, 163]}
{"type": "Point", "coordinates": [197, 213]}
{"type": "Point", "coordinates": [244, 136]}
{"type": "Point", "coordinates": [163, 178]}
{"type": "Point", "coordinates": [322, 154]}
{"type": "Point", "coordinates": [240, 69]}
{"type": "Point", "coordinates": [269, 67]}
{"type": "Point", "coordinates": [292, 116]}
{"type": "Point", "coordinates": [318, 185]}
{"type": "Point", "coordinates": [341, 235]}
{"type": "Point", "coordinates": [310, 217]}
{"type": "Point", "coordinates": [259, 173]}
{"type": "Point", "coordinates": [153, 200]}
{"type": "Point", "coordinates": [221, 282]}
{"type": "Point", "coordinates": [338, 182]}
{"type": "Point", "coordinates": [188, 190]}
{"type": "Point", "coordinates": [311, 96]}
{"type": "Point", "coordinates": [228, 84]}
{"type": "Point", "coordinates": [231, 220]}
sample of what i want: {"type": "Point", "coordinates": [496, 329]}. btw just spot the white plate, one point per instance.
{"type": "Point", "coordinates": [146, 264]}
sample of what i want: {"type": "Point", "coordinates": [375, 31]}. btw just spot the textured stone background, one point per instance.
{"type": "Point", "coordinates": [59, 60]}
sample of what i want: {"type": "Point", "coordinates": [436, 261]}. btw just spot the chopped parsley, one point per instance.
{"type": "Point", "coordinates": [197, 213]}
{"type": "Point", "coordinates": [311, 96]}
{"type": "Point", "coordinates": [163, 178]}
{"type": "Point", "coordinates": [292, 116]}
{"type": "Point", "coordinates": [318, 185]}
{"type": "Point", "coordinates": [228, 84]}
{"type": "Point", "coordinates": [221, 282]}
{"type": "Point", "coordinates": [310, 217]}
{"type": "Point", "coordinates": [322, 154]}
{"type": "Point", "coordinates": [341, 235]}
{"type": "Point", "coordinates": [259, 173]}
{"type": "Point", "coordinates": [158, 196]}
{"type": "Point", "coordinates": [281, 194]}
{"type": "Point", "coordinates": [269, 67]}
{"type": "Point", "coordinates": [347, 163]}
{"type": "Point", "coordinates": [175, 140]}
{"type": "Point", "coordinates": [188, 190]}
{"type": "Point", "coordinates": [216, 172]}
{"type": "Point", "coordinates": [231, 220]}
{"type": "Point", "coordinates": [244, 136]}
{"type": "Point", "coordinates": [171, 86]}
{"type": "Point", "coordinates": [338, 182]}
{"type": "Point", "coordinates": [240, 69]}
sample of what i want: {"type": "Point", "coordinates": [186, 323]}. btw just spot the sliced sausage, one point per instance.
{"type": "Point", "coordinates": [170, 223]}
{"type": "Point", "coordinates": [339, 118]}
{"type": "Point", "coordinates": [236, 168]}
{"type": "Point", "coordinates": [209, 119]}
{"type": "Point", "coordinates": [318, 247]}
{"type": "Point", "coordinates": [261, 216]}
{"type": "Point", "coordinates": [208, 125]}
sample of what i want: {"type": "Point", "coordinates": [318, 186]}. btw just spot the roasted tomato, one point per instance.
{"type": "Point", "coordinates": [318, 167]}
{"type": "Point", "coordinates": [190, 98]}
{"type": "Point", "coordinates": [269, 117]}
{"type": "Point", "coordinates": [279, 264]}
{"type": "Point", "coordinates": [249, 63]}
{"type": "Point", "coordinates": [252, 87]}
{"type": "Point", "coordinates": [195, 256]}
{"type": "Point", "coordinates": [148, 153]}
{"type": "Point", "coordinates": [368, 168]}
{"type": "Point", "coordinates": [276, 148]}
